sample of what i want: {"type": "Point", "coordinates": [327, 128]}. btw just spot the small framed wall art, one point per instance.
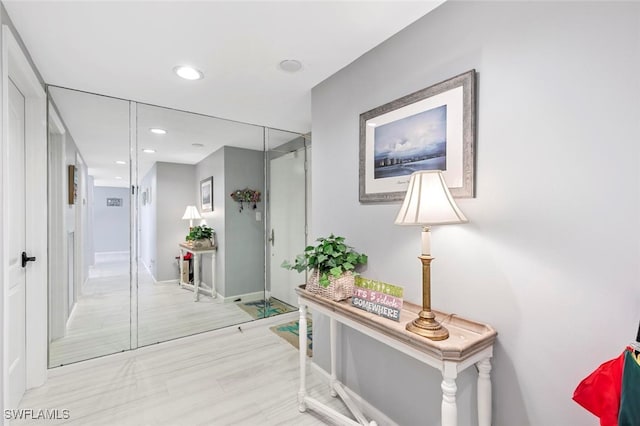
{"type": "Point", "coordinates": [72, 181]}
{"type": "Point", "coordinates": [431, 129]}
{"type": "Point", "coordinates": [206, 194]}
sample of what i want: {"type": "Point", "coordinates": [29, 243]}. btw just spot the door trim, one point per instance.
{"type": "Point", "coordinates": [16, 65]}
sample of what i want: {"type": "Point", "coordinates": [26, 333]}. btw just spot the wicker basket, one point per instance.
{"type": "Point", "coordinates": [340, 288]}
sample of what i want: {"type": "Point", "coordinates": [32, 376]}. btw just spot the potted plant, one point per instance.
{"type": "Point", "coordinates": [200, 236]}
{"type": "Point", "coordinates": [332, 264]}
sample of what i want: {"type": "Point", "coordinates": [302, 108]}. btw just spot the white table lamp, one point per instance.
{"type": "Point", "coordinates": [428, 202]}
{"type": "Point", "coordinates": [191, 213]}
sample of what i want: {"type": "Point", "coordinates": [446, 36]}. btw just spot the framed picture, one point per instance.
{"type": "Point", "coordinates": [206, 194]}
{"type": "Point", "coordinates": [432, 129]}
{"type": "Point", "coordinates": [72, 181]}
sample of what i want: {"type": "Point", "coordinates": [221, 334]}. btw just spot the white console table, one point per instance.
{"type": "Point", "coordinates": [470, 343]}
{"type": "Point", "coordinates": [196, 254]}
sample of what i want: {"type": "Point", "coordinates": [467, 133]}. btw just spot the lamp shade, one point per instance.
{"type": "Point", "coordinates": [191, 213]}
{"type": "Point", "coordinates": [428, 201]}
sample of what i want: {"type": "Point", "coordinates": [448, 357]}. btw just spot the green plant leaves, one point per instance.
{"type": "Point", "coordinates": [330, 257]}
{"type": "Point", "coordinates": [200, 232]}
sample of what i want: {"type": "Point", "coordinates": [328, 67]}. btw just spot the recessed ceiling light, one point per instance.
{"type": "Point", "coordinates": [149, 151]}
{"type": "Point", "coordinates": [370, 124]}
{"type": "Point", "coordinates": [290, 65]}
{"type": "Point", "coordinates": [118, 177]}
{"type": "Point", "coordinates": [198, 145]}
{"type": "Point", "coordinates": [188, 73]}
{"type": "Point", "coordinates": [121, 162]}
{"type": "Point", "coordinates": [158, 131]}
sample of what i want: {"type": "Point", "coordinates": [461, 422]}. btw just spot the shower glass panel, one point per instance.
{"type": "Point", "coordinates": [288, 157]}
{"type": "Point", "coordinates": [89, 240]}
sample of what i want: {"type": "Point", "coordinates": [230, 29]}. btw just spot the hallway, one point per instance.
{"type": "Point", "coordinates": [225, 377]}
{"type": "Point", "coordinates": [100, 323]}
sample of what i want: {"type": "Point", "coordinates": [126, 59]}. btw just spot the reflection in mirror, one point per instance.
{"type": "Point", "coordinates": [117, 165]}
{"type": "Point", "coordinates": [188, 174]}
{"type": "Point", "coordinates": [288, 157]}
{"type": "Point", "coordinates": [89, 285]}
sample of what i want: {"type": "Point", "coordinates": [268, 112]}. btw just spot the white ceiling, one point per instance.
{"type": "Point", "coordinates": [128, 49]}
{"type": "Point", "coordinates": [99, 126]}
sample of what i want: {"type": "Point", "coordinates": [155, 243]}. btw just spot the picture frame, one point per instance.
{"type": "Point", "coordinates": [206, 194]}
{"type": "Point", "coordinates": [431, 129]}
{"type": "Point", "coordinates": [114, 202]}
{"type": "Point", "coordinates": [72, 184]}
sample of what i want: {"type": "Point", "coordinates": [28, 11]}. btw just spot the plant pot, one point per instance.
{"type": "Point", "coordinates": [340, 288]}
{"type": "Point", "coordinates": [201, 244]}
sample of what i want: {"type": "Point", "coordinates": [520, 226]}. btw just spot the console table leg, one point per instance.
{"type": "Point", "coordinates": [333, 326]}
{"type": "Point", "coordinates": [484, 392]}
{"type": "Point", "coordinates": [196, 277]}
{"type": "Point", "coordinates": [181, 267]}
{"type": "Point", "coordinates": [214, 293]}
{"type": "Point", "coordinates": [302, 351]}
{"type": "Point", "coordinates": [449, 389]}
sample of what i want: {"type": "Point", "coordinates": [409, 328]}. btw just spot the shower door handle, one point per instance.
{"type": "Point", "coordinates": [272, 238]}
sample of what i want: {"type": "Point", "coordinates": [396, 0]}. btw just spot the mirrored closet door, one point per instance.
{"type": "Point", "coordinates": [89, 226]}
{"type": "Point", "coordinates": [129, 185]}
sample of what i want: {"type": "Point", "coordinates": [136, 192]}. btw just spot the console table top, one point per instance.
{"type": "Point", "coordinates": [466, 337]}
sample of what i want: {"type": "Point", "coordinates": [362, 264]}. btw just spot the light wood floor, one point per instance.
{"type": "Point", "coordinates": [100, 323]}
{"type": "Point", "coordinates": [221, 378]}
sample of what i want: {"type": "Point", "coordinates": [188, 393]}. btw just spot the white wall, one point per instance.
{"type": "Point", "coordinates": [213, 165]}
{"type": "Point", "coordinates": [148, 223]}
{"type": "Point", "coordinates": [550, 256]}
{"type": "Point", "coordinates": [110, 224]}
{"type": "Point", "coordinates": [174, 183]}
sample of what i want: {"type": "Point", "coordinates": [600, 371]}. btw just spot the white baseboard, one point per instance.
{"type": "Point", "coordinates": [247, 297]}
{"type": "Point", "coordinates": [165, 281]}
{"type": "Point", "coordinates": [369, 410]}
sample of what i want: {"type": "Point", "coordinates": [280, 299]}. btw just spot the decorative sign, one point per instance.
{"type": "Point", "coordinates": [114, 202]}
{"type": "Point", "coordinates": [377, 297]}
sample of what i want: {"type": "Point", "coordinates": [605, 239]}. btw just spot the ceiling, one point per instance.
{"type": "Point", "coordinates": [128, 49]}
{"type": "Point", "coordinates": [99, 126]}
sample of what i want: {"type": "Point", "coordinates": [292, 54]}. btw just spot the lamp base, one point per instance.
{"type": "Point", "coordinates": [427, 326]}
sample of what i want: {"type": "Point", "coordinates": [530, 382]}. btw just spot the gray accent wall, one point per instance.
{"type": "Point", "coordinates": [110, 224]}
{"type": "Point", "coordinates": [550, 254]}
{"type": "Point", "coordinates": [245, 242]}
{"type": "Point", "coordinates": [240, 237]}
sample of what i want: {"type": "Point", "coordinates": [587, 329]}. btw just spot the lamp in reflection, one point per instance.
{"type": "Point", "coordinates": [428, 202]}
{"type": "Point", "coordinates": [191, 213]}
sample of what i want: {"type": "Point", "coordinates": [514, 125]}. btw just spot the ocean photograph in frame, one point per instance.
{"type": "Point", "coordinates": [432, 129]}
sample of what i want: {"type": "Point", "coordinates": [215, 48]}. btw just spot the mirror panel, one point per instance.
{"type": "Point", "coordinates": [89, 282]}
{"type": "Point", "coordinates": [197, 164]}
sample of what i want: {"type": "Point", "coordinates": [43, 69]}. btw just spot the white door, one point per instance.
{"type": "Point", "coordinates": [287, 201]}
{"type": "Point", "coordinates": [17, 278]}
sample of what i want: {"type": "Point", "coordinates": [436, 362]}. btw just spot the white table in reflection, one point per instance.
{"type": "Point", "coordinates": [196, 255]}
